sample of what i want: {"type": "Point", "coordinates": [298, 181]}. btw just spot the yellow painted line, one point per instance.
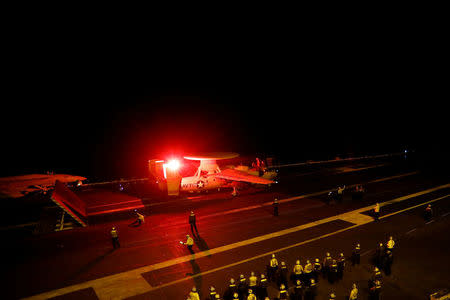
{"type": "Point", "coordinates": [291, 246]}
{"type": "Point", "coordinates": [119, 285]}
{"type": "Point", "coordinates": [415, 206]}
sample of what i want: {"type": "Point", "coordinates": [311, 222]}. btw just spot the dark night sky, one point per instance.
{"type": "Point", "coordinates": [95, 113]}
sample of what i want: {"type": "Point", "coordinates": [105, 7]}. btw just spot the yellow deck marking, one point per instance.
{"type": "Point", "coordinates": [122, 285]}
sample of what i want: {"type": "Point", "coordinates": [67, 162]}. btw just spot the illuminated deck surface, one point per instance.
{"type": "Point", "coordinates": [238, 235]}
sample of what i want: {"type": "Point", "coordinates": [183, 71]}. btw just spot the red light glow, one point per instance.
{"type": "Point", "coordinates": [173, 165]}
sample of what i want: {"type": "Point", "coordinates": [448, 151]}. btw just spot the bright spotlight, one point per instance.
{"type": "Point", "coordinates": [173, 165]}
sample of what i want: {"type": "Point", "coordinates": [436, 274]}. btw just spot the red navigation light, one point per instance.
{"type": "Point", "coordinates": [173, 164]}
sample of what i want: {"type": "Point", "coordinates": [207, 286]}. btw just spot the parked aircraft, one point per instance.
{"type": "Point", "coordinates": [209, 176]}
{"type": "Point", "coordinates": [19, 186]}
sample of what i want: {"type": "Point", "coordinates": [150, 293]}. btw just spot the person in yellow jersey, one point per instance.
{"type": "Point", "coordinates": [353, 293]}
{"type": "Point", "coordinates": [194, 294]}
{"type": "Point", "coordinates": [251, 295]}
{"type": "Point", "coordinates": [189, 243]}
{"type": "Point", "coordinates": [390, 244]}
{"type": "Point", "coordinates": [252, 281]}
{"type": "Point", "coordinates": [297, 271]}
{"type": "Point", "coordinates": [272, 269]}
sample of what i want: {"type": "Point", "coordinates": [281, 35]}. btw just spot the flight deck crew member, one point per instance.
{"type": "Point", "coordinates": [232, 288]}
{"type": "Point", "coordinates": [388, 262]}
{"type": "Point", "coordinates": [189, 243]}
{"type": "Point", "coordinates": [374, 289]}
{"type": "Point", "coordinates": [327, 261]}
{"type": "Point", "coordinates": [307, 272]}
{"type": "Point", "coordinates": [140, 218]}
{"type": "Point", "coordinates": [428, 213]}
{"type": "Point", "coordinates": [283, 294]}
{"type": "Point", "coordinates": [353, 293]}
{"type": "Point", "coordinates": [340, 193]}
{"type": "Point", "coordinates": [341, 266]}
{"type": "Point", "coordinates": [356, 255]}
{"type": "Point", "coordinates": [332, 277]}
{"type": "Point", "coordinates": [194, 294]}
{"type": "Point", "coordinates": [275, 207]}
{"type": "Point", "coordinates": [311, 291]}
{"type": "Point", "coordinates": [376, 212]}
{"type": "Point", "coordinates": [252, 281]}
{"type": "Point", "coordinates": [317, 269]}
{"type": "Point", "coordinates": [115, 238]}
{"type": "Point", "coordinates": [212, 293]}
{"type": "Point", "coordinates": [242, 287]}
{"type": "Point", "coordinates": [379, 255]}
{"type": "Point", "coordinates": [297, 271]}
{"type": "Point", "coordinates": [262, 287]}
{"type": "Point", "coordinates": [193, 223]}
{"type": "Point", "coordinates": [283, 275]}
{"type": "Point", "coordinates": [390, 244]}
{"type": "Point", "coordinates": [273, 267]}
{"type": "Point", "coordinates": [376, 274]}
{"type": "Point", "coordinates": [251, 295]}
{"type": "Point", "coordinates": [298, 291]}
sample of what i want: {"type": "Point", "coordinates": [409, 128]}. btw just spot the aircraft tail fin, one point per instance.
{"type": "Point", "coordinates": [166, 178]}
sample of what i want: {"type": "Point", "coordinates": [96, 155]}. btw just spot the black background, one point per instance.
{"type": "Point", "coordinates": [100, 106]}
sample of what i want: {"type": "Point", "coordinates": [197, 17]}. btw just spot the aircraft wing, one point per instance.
{"type": "Point", "coordinates": [235, 175]}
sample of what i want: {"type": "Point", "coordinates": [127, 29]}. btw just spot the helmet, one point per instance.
{"type": "Point", "coordinates": [342, 254]}
{"type": "Point", "coordinates": [194, 289]}
{"type": "Point", "coordinates": [376, 269]}
{"type": "Point", "coordinates": [307, 261]}
{"type": "Point", "coordinates": [313, 281]}
{"type": "Point", "coordinates": [250, 291]}
{"type": "Point", "coordinates": [282, 287]}
{"type": "Point", "coordinates": [328, 253]}
{"type": "Point", "coordinates": [283, 263]}
{"type": "Point", "coordinates": [212, 289]}
{"type": "Point", "coordinates": [232, 281]}
{"type": "Point", "coordinates": [381, 244]}
{"type": "Point", "coordinates": [297, 262]}
{"type": "Point", "coordinates": [299, 282]}
{"type": "Point", "coordinates": [241, 276]}
{"type": "Point", "coordinates": [354, 286]}
{"type": "Point", "coordinates": [357, 246]}
{"type": "Point", "coordinates": [187, 235]}
{"type": "Point", "coordinates": [317, 260]}
{"type": "Point", "coordinates": [192, 212]}
{"type": "Point", "coordinates": [273, 255]}
{"type": "Point", "coordinates": [217, 296]}
{"type": "Point", "coordinates": [390, 237]}
{"type": "Point", "coordinates": [114, 228]}
{"type": "Point", "coordinates": [263, 276]}
{"type": "Point", "coordinates": [333, 296]}
{"type": "Point", "coordinates": [236, 296]}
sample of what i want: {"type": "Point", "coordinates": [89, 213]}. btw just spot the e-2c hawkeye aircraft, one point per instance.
{"type": "Point", "coordinates": [209, 176]}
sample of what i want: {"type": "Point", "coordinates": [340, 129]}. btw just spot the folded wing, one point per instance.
{"type": "Point", "coordinates": [235, 175]}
